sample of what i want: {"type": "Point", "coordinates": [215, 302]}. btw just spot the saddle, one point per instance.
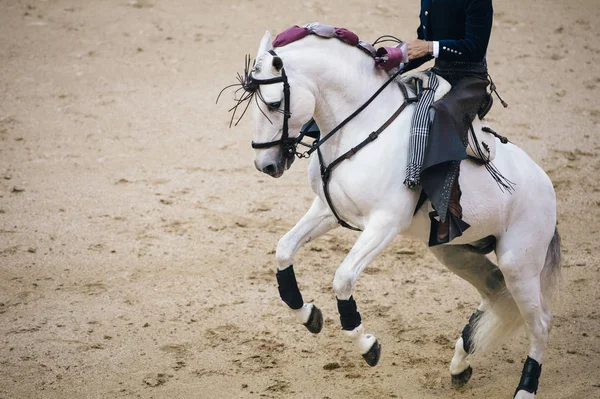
{"type": "Point", "coordinates": [439, 184]}
{"type": "Point", "coordinates": [481, 147]}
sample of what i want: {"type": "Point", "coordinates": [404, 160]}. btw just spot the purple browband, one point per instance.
{"type": "Point", "coordinates": [296, 33]}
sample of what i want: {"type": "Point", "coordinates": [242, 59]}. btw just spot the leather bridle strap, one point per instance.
{"type": "Point", "coordinates": [317, 144]}
{"type": "Point", "coordinates": [287, 144]}
{"type": "Point", "coordinates": [326, 170]}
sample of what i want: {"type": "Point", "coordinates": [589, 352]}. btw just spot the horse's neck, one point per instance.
{"type": "Point", "coordinates": [343, 79]}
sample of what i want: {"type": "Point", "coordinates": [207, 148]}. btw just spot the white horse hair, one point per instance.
{"type": "Point", "coordinates": [329, 80]}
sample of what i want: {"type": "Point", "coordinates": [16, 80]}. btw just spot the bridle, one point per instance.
{"type": "Point", "coordinates": [289, 145]}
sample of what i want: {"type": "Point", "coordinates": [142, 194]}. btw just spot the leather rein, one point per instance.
{"type": "Point", "coordinates": [289, 145]}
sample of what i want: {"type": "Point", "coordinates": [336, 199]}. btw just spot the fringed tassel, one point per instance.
{"type": "Point", "coordinates": [502, 139]}
{"type": "Point", "coordinates": [503, 183]}
{"type": "Point", "coordinates": [493, 89]}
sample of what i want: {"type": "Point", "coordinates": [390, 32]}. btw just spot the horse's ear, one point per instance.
{"type": "Point", "coordinates": [265, 45]}
{"type": "Point", "coordinates": [277, 63]}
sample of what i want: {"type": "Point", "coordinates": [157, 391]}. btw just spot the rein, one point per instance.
{"type": "Point", "coordinates": [318, 143]}
{"type": "Point", "coordinates": [289, 145]}
{"type": "Point", "coordinates": [326, 170]}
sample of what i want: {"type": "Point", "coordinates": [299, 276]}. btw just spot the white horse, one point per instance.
{"type": "Point", "coordinates": [329, 80]}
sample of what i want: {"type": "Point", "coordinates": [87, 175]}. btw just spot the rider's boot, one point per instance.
{"type": "Point", "coordinates": [454, 207]}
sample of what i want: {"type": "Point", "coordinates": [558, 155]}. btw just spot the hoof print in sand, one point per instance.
{"type": "Point", "coordinates": [154, 380]}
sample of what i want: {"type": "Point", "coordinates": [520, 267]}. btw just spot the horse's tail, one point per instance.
{"type": "Point", "coordinates": [503, 318]}
{"type": "Point", "coordinates": [551, 271]}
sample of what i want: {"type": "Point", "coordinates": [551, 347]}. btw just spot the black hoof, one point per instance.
{"type": "Point", "coordinates": [460, 380]}
{"type": "Point", "coordinates": [315, 320]}
{"type": "Point", "coordinates": [373, 355]}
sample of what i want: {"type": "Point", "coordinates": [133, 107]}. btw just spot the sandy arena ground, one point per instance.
{"type": "Point", "coordinates": [137, 239]}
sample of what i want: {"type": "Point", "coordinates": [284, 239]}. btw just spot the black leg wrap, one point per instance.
{"type": "Point", "coordinates": [530, 376]}
{"type": "Point", "coordinates": [288, 288]}
{"type": "Point", "coordinates": [349, 316]}
{"type": "Point", "coordinates": [466, 332]}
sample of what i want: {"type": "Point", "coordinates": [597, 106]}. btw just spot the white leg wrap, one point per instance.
{"type": "Point", "coordinates": [459, 362]}
{"type": "Point", "coordinates": [364, 342]}
{"type": "Point", "coordinates": [303, 313]}
{"type": "Point", "coordinates": [524, 395]}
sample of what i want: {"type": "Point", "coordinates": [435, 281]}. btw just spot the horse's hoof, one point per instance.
{"type": "Point", "coordinates": [460, 380]}
{"type": "Point", "coordinates": [315, 320]}
{"type": "Point", "coordinates": [373, 355]}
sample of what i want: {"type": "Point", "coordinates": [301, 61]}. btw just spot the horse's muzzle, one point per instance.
{"type": "Point", "coordinates": [272, 169]}
{"type": "Point", "coordinates": [275, 169]}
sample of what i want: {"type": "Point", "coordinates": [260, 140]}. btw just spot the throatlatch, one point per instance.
{"type": "Point", "coordinates": [530, 376]}
{"type": "Point", "coordinates": [288, 288]}
{"type": "Point", "coordinates": [349, 316]}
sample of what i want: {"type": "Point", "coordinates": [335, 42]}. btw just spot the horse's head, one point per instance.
{"type": "Point", "coordinates": [282, 88]}
{"type": "Point", "coordinates": [278, 110]}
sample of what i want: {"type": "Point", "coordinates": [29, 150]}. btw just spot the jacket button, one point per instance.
{"type": "Point", "coordinates": [426, 13]}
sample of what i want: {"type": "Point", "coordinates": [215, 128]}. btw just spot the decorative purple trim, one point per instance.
{"type": "Point", "coordinates": [322, 30]}
{"type": "Point", "coordinates": [347, 36]}
{"type": "Point", "coordinates": [296, 33]}
{"type": "Point", "coordinates": [367, 48]}
{"type": "Point", "coordinates": [290, 35]}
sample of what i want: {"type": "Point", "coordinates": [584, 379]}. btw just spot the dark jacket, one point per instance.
{"type": "Point", "coordinates": [462, 27]}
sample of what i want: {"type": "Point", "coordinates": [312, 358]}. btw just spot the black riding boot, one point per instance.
{"type": "Point", "coordinates": [454, 208]}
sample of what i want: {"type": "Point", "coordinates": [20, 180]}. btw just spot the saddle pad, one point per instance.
{"type": "Point", "coordinates": [410, 80]}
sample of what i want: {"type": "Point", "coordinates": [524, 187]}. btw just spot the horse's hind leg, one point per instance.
{"type": "Point", "coordinates": [460, 369]}
{"type": "Point", "coordinates": [317, 221]}
{"type": "Point", "coordinates": [485, 276]}
{"type": "Point", "coordinates": [529, 263]}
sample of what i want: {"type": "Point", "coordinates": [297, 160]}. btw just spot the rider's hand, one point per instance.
{"type": "Point", "coordinates": [418, 48]}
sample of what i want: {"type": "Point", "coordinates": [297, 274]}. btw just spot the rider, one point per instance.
{"type": "Point", "coordinates": [456, 33]}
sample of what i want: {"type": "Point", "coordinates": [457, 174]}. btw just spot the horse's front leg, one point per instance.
{"type": "Point", "coordinates": [317, 221]}
{"type": "Point", "coordinates": [379, 232]}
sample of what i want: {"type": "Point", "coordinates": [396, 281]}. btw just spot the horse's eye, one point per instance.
{"type": "Point", "coordinates": [274, 106]}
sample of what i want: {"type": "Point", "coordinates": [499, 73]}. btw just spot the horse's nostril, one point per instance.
{"type": "Point", "coordinates": [269, 169]}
